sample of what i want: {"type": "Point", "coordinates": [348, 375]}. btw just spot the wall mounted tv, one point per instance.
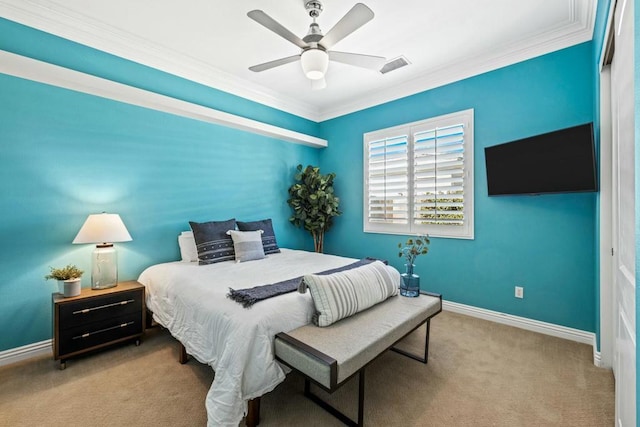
{"type": "Point", "coordinates": [557, 162]}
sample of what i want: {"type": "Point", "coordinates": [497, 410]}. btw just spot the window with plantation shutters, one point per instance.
{"type": "Point", "coordinates": [388, 181]}
{"type": "Point", "coordinates": [419, 178]}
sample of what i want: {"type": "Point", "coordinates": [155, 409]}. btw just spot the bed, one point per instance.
{"type": "Point", "coordinates": [190, 300]}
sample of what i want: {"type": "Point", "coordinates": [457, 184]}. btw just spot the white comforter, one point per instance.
{"type": "Point", "coordinates": [190, 301]}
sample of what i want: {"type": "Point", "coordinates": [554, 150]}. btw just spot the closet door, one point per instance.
{"type": "Point", "coordinates": [622, 92]}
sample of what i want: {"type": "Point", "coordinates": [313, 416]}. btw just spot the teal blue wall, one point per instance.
{"type": "Point", "coordinates": [544, 243]}
{"type": "Point", "coordinates": [164, 170]}
{"type": "Point", "coordinates": [66, 154]}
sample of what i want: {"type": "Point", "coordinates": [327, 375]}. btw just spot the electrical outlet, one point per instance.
{"type": "Point", "coordinates": [519, 292]}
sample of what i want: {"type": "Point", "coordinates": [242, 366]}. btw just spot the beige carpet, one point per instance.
{"type": "Point", "coordinates": [479, 374]}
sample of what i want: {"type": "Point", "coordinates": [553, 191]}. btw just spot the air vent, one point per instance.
{"type": "Point", "coordinates": [394, 64]}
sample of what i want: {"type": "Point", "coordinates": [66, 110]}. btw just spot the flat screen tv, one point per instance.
{"type": "Point", "coordinates": [557, 162]}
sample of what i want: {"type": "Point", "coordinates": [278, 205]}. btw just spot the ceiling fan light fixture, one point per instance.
{"type": "Point", "coordinates": [314, 63]}
{"type": "Point", "coordinates": [318, 84]}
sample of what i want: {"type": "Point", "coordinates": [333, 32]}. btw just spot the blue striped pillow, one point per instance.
{"type": "Point", "coordinates": [345, 293]}
{"type": "Point", "coordinates": [212, 242]}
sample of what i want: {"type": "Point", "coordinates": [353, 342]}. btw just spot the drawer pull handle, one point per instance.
{"type": "Point", "coordinates": [100, 307]}
{"type": "Point", "coordinates": [88, 334]}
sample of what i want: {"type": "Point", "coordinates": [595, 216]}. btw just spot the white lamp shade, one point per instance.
{"type": "Point", "coordinates": [103, 228]}
{"type": "Point", "coordinates": [314, 63]}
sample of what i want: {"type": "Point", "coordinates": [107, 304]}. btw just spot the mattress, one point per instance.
{"type": "Point", "coordinates": [190, 300]}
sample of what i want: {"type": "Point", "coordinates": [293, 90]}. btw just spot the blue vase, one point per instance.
{"type": "Point", "coordinates": [410, 284]}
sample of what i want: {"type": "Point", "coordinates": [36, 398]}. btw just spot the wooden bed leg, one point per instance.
{"type": "Point", "coordinates": [184, 357]}
{"type": "Point", "coordinates": [253, 413]}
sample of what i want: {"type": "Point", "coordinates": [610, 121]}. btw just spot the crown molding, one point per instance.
{"type": "Point", "coordinates": [578, 30]}
{"type": "Point", "coordinates": [52, 18]}
{"type": "Point", "coordinates": [43, 72]}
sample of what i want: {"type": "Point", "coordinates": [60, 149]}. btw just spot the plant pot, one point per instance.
{"type": "Point", "coordinates": [71, 287]}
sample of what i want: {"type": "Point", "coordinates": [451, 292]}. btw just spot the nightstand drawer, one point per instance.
{"type": "Point", "coordinates": [89, 335]}
{"type": "Point", "coordinates": [100, 308]}
{"type": "Point", "coordinates": [96, 319]}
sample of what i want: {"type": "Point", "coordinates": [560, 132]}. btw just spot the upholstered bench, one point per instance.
{"type": "Point", "coordinates": [330, 355]}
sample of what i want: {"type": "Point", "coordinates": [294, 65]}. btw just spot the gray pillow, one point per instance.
{"type": "Point", "coordinates": [212, 242]}
{"type": "Point", "coordinates": [247, 244]}
{"type": "Point", "coordinates": [345, 293]}
{"type": "Point", "coordinates": [269, 243]}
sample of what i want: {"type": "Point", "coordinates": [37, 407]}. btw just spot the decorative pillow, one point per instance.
{"type": "Point", "coordinates": [247, 245]}
{"type": "Point", "coordinates": [342, 294]}
{"type": "Point", "coordinates": [187, 244]}
{"type": "Point", "coordinates": [268, 236]}
{"type": "Point", "coordinates": [212, 242]}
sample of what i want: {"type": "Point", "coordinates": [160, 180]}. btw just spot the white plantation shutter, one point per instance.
{"type": "Point", "coordinates": [419, 178]}
{"type": "Point", "coordinates": [388, 182]}
{"type": "Point", "coordinates": [438, 176]}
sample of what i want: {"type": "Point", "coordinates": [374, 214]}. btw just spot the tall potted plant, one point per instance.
{"type": "Point", "coordinates": [313, 202]}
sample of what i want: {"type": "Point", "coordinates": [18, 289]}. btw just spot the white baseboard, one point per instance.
{"type": "Point", "coordinates": [29, 351]}
{"type": "Point", "coordinates": [597, 356]}
{"type": "Point", "coordinates": [44, 347]}
{"type": "Point", "coordinates": [565, 332]}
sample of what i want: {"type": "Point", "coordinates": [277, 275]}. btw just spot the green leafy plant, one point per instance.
{"type": "Point", "coordinates": [413, 248]}
{"type": "Point", "coordinates": [65, 273]}
{"type": "Point", "coordinates": [313, 202]}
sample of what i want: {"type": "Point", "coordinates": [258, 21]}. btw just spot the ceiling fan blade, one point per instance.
{"type": "Point", "coordinates": [354, 19]}
{"type": "Point", "coordinates": [275, 63]}
{"type": "Point", "coordinates": [318, 84]}
{"type": "Point", "coordinates": [271, 24]}
{"type": "Point", "coordinates": [365, 61]}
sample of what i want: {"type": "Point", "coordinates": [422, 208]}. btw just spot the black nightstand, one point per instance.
{"type": "Point", "coordinates": [97, 318]}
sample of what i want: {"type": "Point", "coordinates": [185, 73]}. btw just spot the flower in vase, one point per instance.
{"type": "Point", "coordinates": [414, 247]}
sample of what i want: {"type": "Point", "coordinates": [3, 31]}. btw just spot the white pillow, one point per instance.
{"type": "Point", "coordinates": [345, 293]}
{"type": "Point", "coordinates": [188, 250]}
{"type": "Point", "coordinates": [247, 245]}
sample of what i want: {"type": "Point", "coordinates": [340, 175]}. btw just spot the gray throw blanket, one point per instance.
{"type": "Point", "coordinates": [249, 296]}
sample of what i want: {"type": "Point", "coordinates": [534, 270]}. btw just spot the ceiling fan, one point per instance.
{"type": "Point", "coordinates": [315, 54]}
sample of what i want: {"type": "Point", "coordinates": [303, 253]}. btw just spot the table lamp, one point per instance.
{"type": "Point", "coordinates": [103, 229]}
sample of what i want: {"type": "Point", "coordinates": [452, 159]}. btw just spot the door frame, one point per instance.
{"type": "Point", "coordinates": [606, 255]}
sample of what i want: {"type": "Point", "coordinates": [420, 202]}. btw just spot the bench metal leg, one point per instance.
{"type": "Point", "coordinates": [361, 398]}
{"type": "Point", "coordinates": [333, 411]}
{"type": "Point", "coordinates": [424, 359]}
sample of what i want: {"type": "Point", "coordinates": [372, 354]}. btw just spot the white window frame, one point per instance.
{"type": "Point", "coordinates": [464, 231]}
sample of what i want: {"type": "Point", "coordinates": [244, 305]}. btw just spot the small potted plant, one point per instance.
{"type": "Point", "coordinates": [68, 279]}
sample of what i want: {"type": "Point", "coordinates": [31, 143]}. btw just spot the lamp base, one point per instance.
{"type": "Point", "coordinates": [104, 267]}
{"type": "Point", "coordinates": [104, 286]}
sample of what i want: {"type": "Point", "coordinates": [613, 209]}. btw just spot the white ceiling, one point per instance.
{"type": "Point", "coordinates": [214, 42]}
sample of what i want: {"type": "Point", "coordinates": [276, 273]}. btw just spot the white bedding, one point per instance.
{"type": "Point", "coordinates": [190, 301]}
